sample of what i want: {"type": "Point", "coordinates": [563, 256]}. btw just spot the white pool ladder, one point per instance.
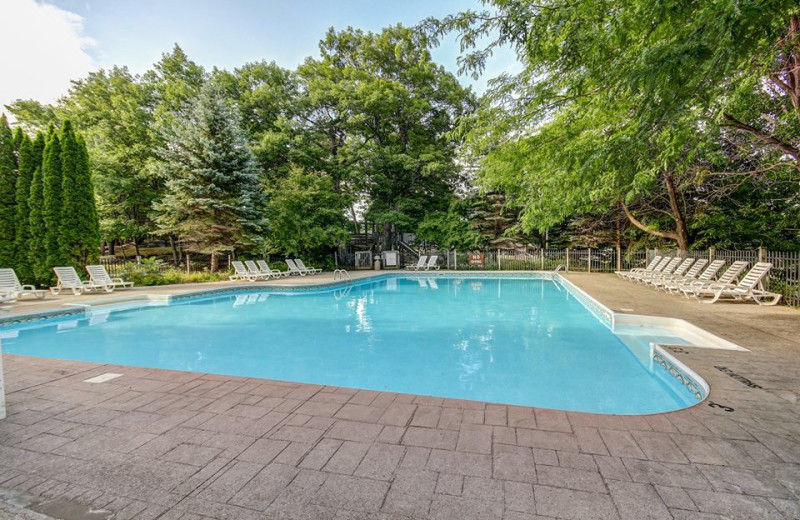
{"type": "Point", "coordinates": [341, 274]}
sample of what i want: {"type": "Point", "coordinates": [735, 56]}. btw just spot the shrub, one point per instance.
{"type": "Point", "coordinates": [153, 271]}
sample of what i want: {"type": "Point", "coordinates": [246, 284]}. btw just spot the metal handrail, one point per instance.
{"type": "Point", "coordinates": [341, 274]}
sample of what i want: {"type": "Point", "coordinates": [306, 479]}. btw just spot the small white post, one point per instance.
{"type": "Point", "coordinates": [498, 259]}
{"type": "Point", "coordinates": [567, 259]}
{"type": "Point", "coordinates": [589, 260]}
{"type": "Point", "coordinates": [542, 250]}
{"type": "Point", "coordinates": [619, 258]}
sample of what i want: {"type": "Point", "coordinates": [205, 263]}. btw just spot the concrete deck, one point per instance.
{"type": "Point", "coordinates": [176, 445]}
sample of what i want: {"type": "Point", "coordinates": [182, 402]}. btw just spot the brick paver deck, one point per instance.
{"type": "Point", "coordinates": [177, 445]}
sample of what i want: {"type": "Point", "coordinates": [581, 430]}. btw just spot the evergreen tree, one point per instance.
{"type": "Point", "coordinates": [26, 160]}
{"type": "Point", "coordinates": [8, 182]}
{"type": "Point", "coordinates": [37, 245]}
{"type": "Point", "coordinates": [213, 196]}
{"type": "Point", "coordinates": [52, 181]}
{"type": "Point", "coordinates": [79, 234]}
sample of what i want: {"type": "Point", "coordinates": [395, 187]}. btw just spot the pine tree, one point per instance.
{"type": "Point", "coordinates": [26, 161]}
{"type": "Point", "coordinates": [213, 196]}
{"type": "Point", "coordinates": [80, 232]}
{"type": "Point", "coordinates": [8, 182]}
{"type": "Point", "coordinates": [52, 180]}
{"type": "Point", "coordinates": [37, 246]}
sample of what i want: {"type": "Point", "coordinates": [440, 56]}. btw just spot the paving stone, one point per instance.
{"type": "Point", "coordinates": [354, 493]}
{"type": "Point", "coordinates": [426, 416]}
{"type": "Point", "coordinates": [547, 440]}
{"type": "Point", "coordinates": [621, 444]}
{"type": "Point", "coordinates": [738, 506]}
{"type": "Point", "coordinates": [192, 454]}
{"type": "Point", "coordinates": [263, 451]}
{"type": "Point", "coordinates": [447, 507]}
{"type": "Point", "coordinates": [320, 454]}
{"type": "Point", "coordinates": [748, 482]}
{"type": "Point", "coordinates": [362, 413]}
{"type": "Point", "coordinates": [518, 497]}
{"type": "Point", "coordinates": [264, 487]}
{"type": "Point", "coordinates": [347, 458]}
{"type": "Point", "coordinates": [381, 461]}
{"type": "Point", "coordinates": [666, 474]}
{"type": "Point", "coordinates": [568, 459]}
{"type": "Point", "coordinates": [659, 446]}
{"type": "Point", "coordinates": [411, 493]}
{"type": "Point", "coordinates": [354, 431]}
{"type": "Point", "coordinates": [556, 476]}
{"type": "Point", "coordinates": [546, 457]}
{"type": "Point", "coordinates": [697, 450]}
{"type": "Point", "coordinates": [638, 501]}
{"type": "Point", "coordinates": [676, 498]}
{"type": "Point", "coordinates": [552, 420]}
{"type": "Point", "coordinates": [495, 415]}
{"type": "Point", "coordinates": [484, 489]}
{"type": "Point", "coordinates": [319, 409]}
{"type": "Point", "coordinates": [513, 463]}
{"type": "Point", "coordinates": [504, 435]}
{"type": "Point", "coordinates": [467, 464]}
{"type": "Point", "coordinates": [298, 434]}
{"type": "Point", "coordinates": [391, 435]}
{"type": "Point", "coordinates": [573, 504]}
{"type": "Point", "coordinates": [589, 440]}
{"type": "Point", "coordinates": [448, 484]}
{"type": "Point", "coordinates": [397, 414]}
{"type": "Point", "coordinates": [450, 419]}
{"type": "Point", "coordinates": [474, 438]}
{"type": "Point", "coordinates": [430, 438]}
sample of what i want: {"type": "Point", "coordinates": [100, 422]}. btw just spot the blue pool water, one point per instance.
{"type": "Point", "coordinates": [522, 341]}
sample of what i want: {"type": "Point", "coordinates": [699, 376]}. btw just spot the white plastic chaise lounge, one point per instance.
{"type": "Point", "coordinates": [667, 268]}
{"type": "Point", "coordinates": [690, 274]}
{"type": "Point", "coordinates": [99, 275]}
{"type": "Point", "coordinates": [747, 289]}
{"type": "Point", "coordinates": [68, 279]}
{"type": "Point", "coordinates": [635, 275]}
{"type": "Point", "coordinates": [9, 284]}
{"type": "Point", "coordinates": [730, 276]}
{"type": "Point", "coordinates": [421, 263]}
{"type": "Point", "coordinates": [652, 265]}
{"type": "Point", "coordinates": [432, 263]}
{"type": "Point", "coordinates": [679, 271]}
{"type": "Point", "coordinates": [294, 269]}
{"type": "Point", "coordinates": [265, 268]}
{"type": "Point", "coordinates": [708, 275]}
{"type": "Point", "coordinates": [7, 297]}
{"type": "Point", "coordinates": [257, 273]}
{"type": "Point", "coordinates": [240, 272]}
{"type": "Point", "coordinates": [309, 270]}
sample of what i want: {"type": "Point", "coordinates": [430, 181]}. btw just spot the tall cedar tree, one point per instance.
{"type": "Point", "coordinates": [37, 246]}
{"type": "Point", "coordinates": [213, 199]}
{"type": "Point", "coordinates": [79, 232]}
{"type": "Point", "coordinates": [52, 182]}
{"type": "Point", "coordinates": [8, 182]}
{"type": "Point", "coordinates": [27, 164]}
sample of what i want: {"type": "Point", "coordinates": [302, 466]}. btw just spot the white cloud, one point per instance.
{"type": "Point", "coordinates": [43, 48]}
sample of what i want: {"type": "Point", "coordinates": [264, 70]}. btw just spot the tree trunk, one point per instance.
{"type": "Point", "coordinates": [176, 259]}
{"type": "Point", "coordinates": [112, 247]}
{"type": "Point", "coordinates": [682, 234]}
{"type": "Point", "coordinates": [214, 261]}
{"type": "Point", "coordinates": [136, 246]}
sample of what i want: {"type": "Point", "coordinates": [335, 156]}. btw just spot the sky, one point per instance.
{"type": "Point", "coordinates": [47, 43]}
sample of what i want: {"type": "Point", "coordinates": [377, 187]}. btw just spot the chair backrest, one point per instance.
{"type": "Point", "coordinates": [653, 263]}
{"type": "Point", "coordinates": [300, 264]}
{"type": "Point", "coordinates": [671, 265]}
{"type": "Point", "coordinates": [755, 275]}
{"type": "Point", "coordinates": [712, 270]}
{"type": "Point", "coordinates": [432, 260]}
{"type": "Point", "coordinates": [733, 272]}
{"type": "Point", "coordinates": [695, 270]}
{"type": "Point", "coordinates": [9, 281]}
{"type": "Point", "coordinates": [291, 264]}
{"type": "Point", "coordinates": [68, 277]}
{"type": "Point", "coordinates": [239, 267]}
{"type": "Point", "coordinates": [423, 259]}
{"type": "Point", "coordinates": [251, 266]}
{"type": "Point", "coordinates": [662, 264]}
{"type": "Point", "coordinates": [684, 267]}
{"type": "Point", "coordinates": [98, 274]}
{"type": "Point", "coordinates": [264, 266]}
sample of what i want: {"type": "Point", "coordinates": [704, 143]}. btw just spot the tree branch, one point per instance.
{"type": "Point", "coordinates": [633, 220]}
{"type": "Point", "coordinates": [764, 138]}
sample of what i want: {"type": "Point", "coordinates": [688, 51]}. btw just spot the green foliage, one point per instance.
{"type": "Point", "coordinates": [452, 228]}
{"type": "Point", "coordinates": [52, 191]}
{"type": "Point", "coordinates": [305, 214]}
{"type": "Point", "coordinates": [79, 233]}
{"type": "Point", "coordinates": [28, 162]}
{"type": "Point", "coordinates": [213, 199]}
{"type": "Point", "coordinates": [153, 271]}
{"type": "Point", "coordinates": [8, 182]}
{"type": "Point", "coordinates": [37, 247]}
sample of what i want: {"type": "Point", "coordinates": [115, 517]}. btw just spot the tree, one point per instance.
{"type": "Point", "coordinates": [79, 231]}
{"type": "Point", "coordinates": [305, 214]}
{"type": "Point", "coordinates": [52, 192]}
{"type": "Point", "coordinates": [28, 162]}
{"type": "Point", "coordinates": [37, 247]}
{"type": "Point", "coordinates": [8, 182]}
{"type": "Point", "coordinates": [213, 198]}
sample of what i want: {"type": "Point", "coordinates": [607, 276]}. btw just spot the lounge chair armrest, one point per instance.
{"type": "Point", "coordinates": [28, 287]}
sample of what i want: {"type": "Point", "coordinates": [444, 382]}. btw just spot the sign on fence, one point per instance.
{"type": "Point", "coordinates": [476, 260]}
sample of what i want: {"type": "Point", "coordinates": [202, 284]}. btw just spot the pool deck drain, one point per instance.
{"type": "Point", "coordinates": [182, 446]}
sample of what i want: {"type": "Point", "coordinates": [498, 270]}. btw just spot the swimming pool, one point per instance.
{"type": "Point", "coordinates": [521, 340]}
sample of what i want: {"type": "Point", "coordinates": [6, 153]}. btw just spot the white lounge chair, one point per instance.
{"type": "Point", "coordinates": [68, 279]}
{"type": "Point", "coordinates": [690, 274]}
{"type": "Point", "coordinates": [423, 260]}
{"type": "Point", "coordinates": [728, 277]}
{"type": "Point", "coordinates": [265, 268]}
{"type": "Point", "coordinates": [240, 272]}
{"type": "Point", "coordinates": [652, 265]}
{"type": "Point", "coordinates": [309, 270]}
{"type": "Point", "coordinates": [432, 263]}
{"type": "Point", "coordinates": [711, 271]}
{"type": "Point", "coordinates": [294, 269]}
{"type": "Point", "coordinates": [681, 270]}
{"type": "Point", "coordinates": [7, 297]}
{"type": "Point", "coordinates": [256, 273]}
{"type": "Point", "coordinates": [746, 289]}
{"type": "Point", "coordinates": [99, 275]}
{"type": "Point", "coordinates": [670, 266]}
{"type": "Point", "coordinates": [9, 284]}
{"type": "Point", "coordinates": [634, 275]}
